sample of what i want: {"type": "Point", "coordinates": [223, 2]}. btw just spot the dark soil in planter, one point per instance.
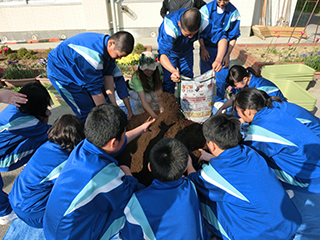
{"type": "Point", "coordinates": [171, 123]}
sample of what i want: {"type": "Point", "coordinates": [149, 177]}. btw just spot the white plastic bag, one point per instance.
{"type": "Point", "coordinates": [196, 96]}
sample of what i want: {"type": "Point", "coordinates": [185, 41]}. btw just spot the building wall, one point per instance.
{"type": "Point", "coordinates": [61, 19]}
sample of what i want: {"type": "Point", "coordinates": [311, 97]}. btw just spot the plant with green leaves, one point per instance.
{"type": "Point", "coordinates": [15, 70]}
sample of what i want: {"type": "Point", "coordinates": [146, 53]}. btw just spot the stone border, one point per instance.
{"type": "Point", "coordinates": [248, 60]}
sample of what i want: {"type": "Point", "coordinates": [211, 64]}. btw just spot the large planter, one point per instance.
{"type": "Point", "coordinates": [44, 81]}
{"type": "Point", "coordinates": [239, 52]}
{"type": "Point", "coordinates": [12, 83]}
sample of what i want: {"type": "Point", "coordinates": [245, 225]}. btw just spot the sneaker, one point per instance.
{"type": "Point", "coordinates": [8, 218]}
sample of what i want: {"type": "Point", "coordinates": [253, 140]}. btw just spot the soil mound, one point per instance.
{"type": "Point", "coordinates": [171, 123]}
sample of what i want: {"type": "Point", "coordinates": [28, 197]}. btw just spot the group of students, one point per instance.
{"type": "Point", "coordinates": [262, 186]}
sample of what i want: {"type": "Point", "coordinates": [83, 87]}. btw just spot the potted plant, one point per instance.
{"type": "Point", "coordinates": [16, 75]}
{"type": "Point", "coordinates": [128, 65]}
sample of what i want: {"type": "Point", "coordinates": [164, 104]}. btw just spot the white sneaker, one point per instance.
{"type": "Point", "coordinates": [8, 218]}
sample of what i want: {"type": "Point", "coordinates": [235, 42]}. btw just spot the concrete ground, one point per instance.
{"type": "Point", "coordinates": [9, 177]}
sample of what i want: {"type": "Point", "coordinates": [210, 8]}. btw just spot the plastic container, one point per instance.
{"type": "Point", "coordinates": [55, 96]}
{"type": "Point", "coordinates": [299, 73]}
{"type": "Point", "coordinates": [296, 94]}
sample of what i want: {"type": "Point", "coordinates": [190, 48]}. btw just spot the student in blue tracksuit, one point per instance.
{"type": "Point", "coordinates": [89, 196]}
{"type": "Point", "coordinates": [241, 196]}
{"type": "Point", "coordinates": [224, 17]}
{"type": "Point", "coordinates": [291, 150]}
{"type": "Point", "coordinates": [177, 33]}
{"type": "Point", "coordinates": [169, 208]}
{"type": "Point", "coordinates": [240, 77]}
{"type": "Point", "coordinates": [120, 87]}
{"type": "Point", "coordinates": [30, 191]}
{"type": "Point", "coordinates": [81, 68]}
{"type": "Point", "coordinates": [301, 114]}
{"type": "Point", "coordinates": [22, 130]}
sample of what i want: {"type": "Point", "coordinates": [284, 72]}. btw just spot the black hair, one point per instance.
{"type": "Point", "coordinates": [237, 73]}
{"type": "Point", "coordinates": [105, 122]}
{"type": "Point", "coordinates": [168, 159]}
{"type": "Point", "coordinates": [67, 131]}
{"type": "Point", "coordinates": [38, 100]}
{"type": "Point", "coordinates": [191, 20]}
{"type": "Point", "coordinates": [124, 41]}
{"type": "Point", "coordinates": [252, 98]}
{"type": "Point", "coordinates": [223, 130]}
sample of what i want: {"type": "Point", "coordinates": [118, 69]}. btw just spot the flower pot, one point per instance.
{"type": "Point", "coordinates": [12, 83]}
{"type": "Point", "coordinates": [43, 80]}
{"type": "Point", "coordinates": [316, 76]}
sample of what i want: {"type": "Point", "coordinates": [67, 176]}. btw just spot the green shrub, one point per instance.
{"type": "Point", "coordinates": [139, 48]}
{"type": "Point", "coordinates": [22, 52]}
{"type": "Point", "coordinates": [12, 56]}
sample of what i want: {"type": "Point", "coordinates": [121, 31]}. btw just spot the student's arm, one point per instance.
{"type": "Point", "coordinates": [222, 48]}
{"type": "Point", "coordinates": [226, 105]}
{"type": "Point", "coordinates": [226, 59]}
{"type": "Point", "coordinates": [128, 106]}
{"type": "Point", "coordinates": [98, 99]}
{"type": "Point", "coordinates": [165, 62]}
{"type": "Point", "coordinates": [109, 86]}
{"type": "Point", "coordinates": [139, 130]}
{"type": "Point", "coordinates": [190, 168]}
{"type": "Point", "coordinates": [159, 92]}
{"type": "Point", "coordinates": [164, 9]}
{"type": "Point", "coordinates": [11, 97]}
{"type": "Point", "coordinates": [145, 104]}
{"type": "Point", "coordinates": [204, 53]}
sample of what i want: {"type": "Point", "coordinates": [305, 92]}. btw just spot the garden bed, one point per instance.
{"type": "Point", "coordinates": [171, 123]}
{"type": "Point", "coordinates": [250, 54]}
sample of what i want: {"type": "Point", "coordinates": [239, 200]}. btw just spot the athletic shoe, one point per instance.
{"type": "Point", "coordinates": [8, 218]}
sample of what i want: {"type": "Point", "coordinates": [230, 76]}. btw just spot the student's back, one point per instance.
{"type": "Point", "coordinates": [301, 114]}
{"type": "Point", "coordinates": [249, 199]}
{"type": "Point", "coordinates": [30, 191]}
{"type": "Point", "coordinates": [169, 208]}
{"type": "Point", "coordinates": [241, 196]}
{"type": "Point", "coordinates": [165, 211]}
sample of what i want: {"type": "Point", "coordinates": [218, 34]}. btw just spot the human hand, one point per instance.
{"type": "Point", "coordinates": [204, 55]}
{"type": "Point", "coordinates": [130, 115]}
{"type": "Point", "coordinates": [225, 61]}
{"type": "Point", "coordinates": [14, 98]}
{"type": "Point", "coordinates": [175, 76]}
{"type": "Point", "coordinates": [145, 126]}
{"type": "Point", "coordinates": [205, 155]}
{"type": "Point", "coordinates": [125, 169]}
{"type": "Point", "coordinates": [216, 66]}
{"type": "Point", "coordinates": [241, 120]}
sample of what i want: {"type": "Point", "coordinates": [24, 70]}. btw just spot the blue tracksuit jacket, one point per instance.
{"type": "Point", "coordinates": [169, 210]}
{"type": "Point", "coordinates": [227, 20]}
{"type": "Point", "coordinates": [89, 196]}
{"type": "Point", "coordinates": [30, 191]}
{"type": "Point", "coordinates": [178, 48]}
{"type": "Point", "coordinates": [290, 148]}
{"type": "Point", "coordinates": [82, 60]}
{"type": "Point", "coordinates": [301, 114]}
{"type": "Point", "coordinates": [20, 135]}
{"type": "Point", "coordinates": [242, 198]}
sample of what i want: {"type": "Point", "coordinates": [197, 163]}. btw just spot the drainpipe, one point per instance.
{"type": "Point", "coordinates": [114, 20]}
